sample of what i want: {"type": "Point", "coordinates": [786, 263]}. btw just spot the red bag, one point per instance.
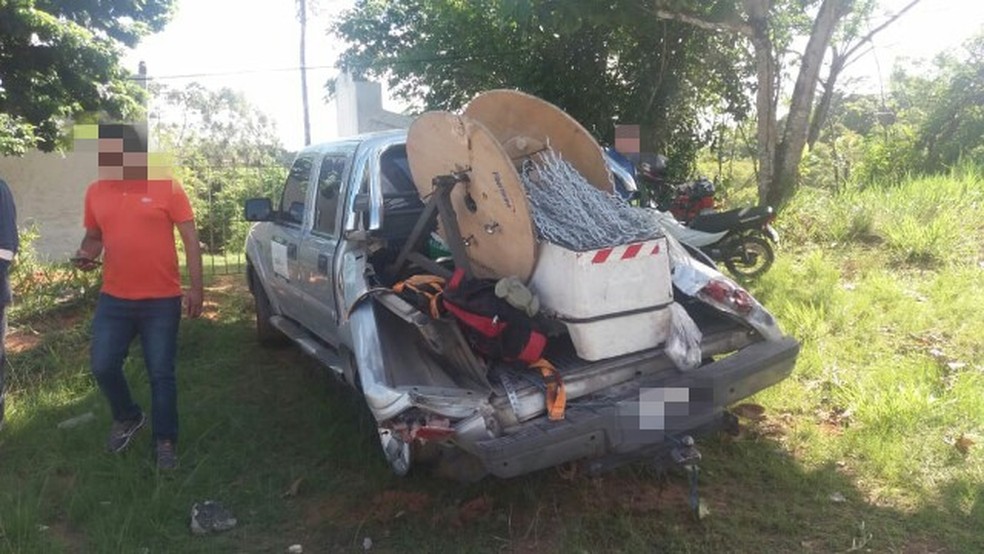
{"type": "Point", "coordinates": [492, 326]}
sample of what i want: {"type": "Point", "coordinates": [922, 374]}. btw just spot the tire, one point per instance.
{"type": "Point", "coordinates": [266, 333]}
{"type": "Point", "coordinates": [751, 257]}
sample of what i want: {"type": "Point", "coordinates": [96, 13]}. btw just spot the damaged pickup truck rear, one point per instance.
{"type": "Point", "coordinates": [475, 279]}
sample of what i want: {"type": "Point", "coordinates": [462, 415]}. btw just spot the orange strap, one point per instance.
{"type": "Point", "coordinates": [415, 282]}
{"type": "Point", "coordinates": [556, 396]}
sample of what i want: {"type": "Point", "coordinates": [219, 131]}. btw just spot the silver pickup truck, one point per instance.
{"type": "Point", "coordinates": [317, 268]}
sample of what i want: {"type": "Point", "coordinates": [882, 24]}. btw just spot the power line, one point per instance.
{"type": "Point", "coordinates": [374, 64]}
{"type": "Point", "coordinates": [228, 73]}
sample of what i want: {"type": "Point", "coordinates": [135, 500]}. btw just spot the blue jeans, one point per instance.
{"type": "Point", "coordinates": [116, 323]}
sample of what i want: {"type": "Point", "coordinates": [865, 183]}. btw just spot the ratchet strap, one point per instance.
{"type": "Point", "coordinates": [429, 287]}
{"type": "Point", "coordinates": [555, 394]}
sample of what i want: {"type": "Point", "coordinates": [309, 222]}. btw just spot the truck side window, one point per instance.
{"type": "Point", "coordinates": [295, 190]}
{"type": "Point", "coordinates": [329, 189]}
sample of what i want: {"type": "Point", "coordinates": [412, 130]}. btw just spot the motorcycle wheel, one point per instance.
{"type": "Point", "coordinates": [751, 257]}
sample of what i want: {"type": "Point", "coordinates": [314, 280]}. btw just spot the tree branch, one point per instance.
{"type": "Point", "coordinates": [738, 27]}
{"type": "Point", "coordinates": [875, 31]}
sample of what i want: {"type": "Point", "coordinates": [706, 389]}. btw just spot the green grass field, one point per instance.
{"type": "Point", "coordinates": [876, 443]}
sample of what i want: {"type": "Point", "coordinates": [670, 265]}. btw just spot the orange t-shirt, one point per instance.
{"type": "Point", "coordinates": [137, 220]}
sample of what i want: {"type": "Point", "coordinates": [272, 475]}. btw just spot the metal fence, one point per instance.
{"type": "Point", "coordinates": [217, 195]}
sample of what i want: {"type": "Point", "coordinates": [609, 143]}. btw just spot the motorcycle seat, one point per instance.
{"type": "Point", "coordinates": [731, 219]}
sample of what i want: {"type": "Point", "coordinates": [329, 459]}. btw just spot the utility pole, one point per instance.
{"type": "Point", "coordinates": [304, 88]}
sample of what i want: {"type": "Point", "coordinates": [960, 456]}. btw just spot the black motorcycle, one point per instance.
{"type": "Point", "coordinates": [745, 248]}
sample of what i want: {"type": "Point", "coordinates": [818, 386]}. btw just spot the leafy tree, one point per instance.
{"type": "Point", "coordinates": [664, 64]}
{"type": "Point", "coordinates": [603, 63]}
{"type": "Point", "coordinates": [769, 25]}
{"type": "Point", "coordinates": [845, 49]}
{"type": "Point", "coordinates": [224, 151]}
{"type": "Point", "coordinates": [953, 103]}
{"type": "Point", "coordinates": [61, 58]}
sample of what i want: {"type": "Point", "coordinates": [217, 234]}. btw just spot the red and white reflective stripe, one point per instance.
{"type": "Point", "coordinates": [625, 252]}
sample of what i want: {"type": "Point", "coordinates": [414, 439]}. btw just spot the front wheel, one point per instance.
{"type": "Point", "coordinates": [751, 257]}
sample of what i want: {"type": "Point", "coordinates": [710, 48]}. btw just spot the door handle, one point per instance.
{"type": "Point", "coordinates": [292, 251]}
{"type": "Point", "coordinates": [323, 264]}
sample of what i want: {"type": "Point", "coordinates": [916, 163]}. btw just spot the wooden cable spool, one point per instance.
{"type": "Point", "coordinates": [526, 125]}
{"type": "Point", "coordinates": [491, 209]}
{"type": "Point", "coordinates": [488, 143]}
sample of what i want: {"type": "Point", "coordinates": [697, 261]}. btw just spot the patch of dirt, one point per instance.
{"type": "Point", "coordinates": [227, 285]}
{"type": "Point", "coordinates": [922, 546]}
{"type": "Point", "coordinates": [828, 428]}
{"type": "Point", "coordinates": [765, 427]}
{"type": "Point", "coordinates": [21, 341]}
{"type": "Point", "coordinates": [833, 421]}
{"type": "Point", "coordinates": [754, 412]}
{"type": "Point", "coordinates": [28, 337]}
{"type": "Point", "coordinates": [72, 540]}
{"type": "Point", "coordinates": [210, 310]}
{"type": "Point", "coordinates": [639, 497]}
{"type": "Point", "coordinates": [328, 508]}
{"type": "Point", "coordinates": [389, 505]}
{"type": "Point", "coordinates": [473, 510]}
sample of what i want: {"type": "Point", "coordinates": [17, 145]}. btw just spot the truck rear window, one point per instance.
{"type": "Point", "coordinates": [399, 192]}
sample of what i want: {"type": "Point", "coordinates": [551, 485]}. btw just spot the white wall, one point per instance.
{"type": "Point", "coordinates": [49, 190]}
{"type": "Point", "coordinates": [360, 108]}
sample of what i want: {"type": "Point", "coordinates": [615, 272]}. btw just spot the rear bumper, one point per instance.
{"type": "Point", "coordinates": [633, 422]}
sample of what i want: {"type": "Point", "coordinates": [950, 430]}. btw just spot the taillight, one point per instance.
{"type": "Point", "coordinates": [726, 293]}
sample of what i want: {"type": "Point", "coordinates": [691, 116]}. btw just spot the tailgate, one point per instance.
{"type": "Point", "coordinates": [631, 421]}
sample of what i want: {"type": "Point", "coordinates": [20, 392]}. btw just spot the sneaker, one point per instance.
{"type": "Point", "coordinates": [167, 458]}
{"type": "Point", "coordinates": [122, 431]}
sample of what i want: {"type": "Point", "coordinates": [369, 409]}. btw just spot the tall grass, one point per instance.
{"type": "Point", "coordinates": [923, 221]}
{"type": "Point", "coordinates": [884, 286]}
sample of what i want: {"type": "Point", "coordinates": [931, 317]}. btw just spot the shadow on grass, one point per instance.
{"type": "Point", "coordinates": [295, 457]}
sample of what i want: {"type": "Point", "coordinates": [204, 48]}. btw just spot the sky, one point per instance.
{"type": "Point", "coordinates": [253, 46]}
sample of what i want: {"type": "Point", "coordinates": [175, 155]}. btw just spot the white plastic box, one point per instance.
{"type": "Point", "coordinates": [614, 301]}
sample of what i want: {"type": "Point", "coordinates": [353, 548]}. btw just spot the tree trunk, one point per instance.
{"type": "Point", "coordinates": [778, 164]}
{"type": "Point", "coordinates": [765, 105]}
{"type": "Point", "coordinates": [765, 129]}
{"type": "Point", "coordinates": [789, 152]}
{"type": "Point", "coordinates": [822, 110]}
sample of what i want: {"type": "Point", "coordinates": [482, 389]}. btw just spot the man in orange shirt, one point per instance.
{"type": "Point", "coordinates": [130, 220]}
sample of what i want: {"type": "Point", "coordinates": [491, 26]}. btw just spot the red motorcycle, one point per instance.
{"type": "Point", "coordinates": [742, 238]}
{"type": "Point", "coordinates": [685, 201]}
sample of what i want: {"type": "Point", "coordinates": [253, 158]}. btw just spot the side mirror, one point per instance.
{"type": "Point", "coordinates": [258, 209]}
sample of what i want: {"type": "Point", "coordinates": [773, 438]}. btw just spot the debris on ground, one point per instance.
{"type": "Point", "coordinates": [210, 517]}
{"type": "Point", "coordinates": [77, 420]}
{"type": "Point", "coordinates": [473, 510]}
{"type": "Point", "coordinates": [963, 444]}
{"type": "Point", "coordinates": [294, 488]}
{"type": "Point", "coordinates": [750, 411]}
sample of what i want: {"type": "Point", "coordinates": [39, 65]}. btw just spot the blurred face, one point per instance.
{"type": "Point", "coordinates": [117, 163]}
{"type": "Point", "coordinates": [111, 158]}
{"type": "Point", "coordinates": [627, 139]}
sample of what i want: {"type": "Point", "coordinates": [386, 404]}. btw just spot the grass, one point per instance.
{"type": "Point", "coordinates": [875, 443]}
